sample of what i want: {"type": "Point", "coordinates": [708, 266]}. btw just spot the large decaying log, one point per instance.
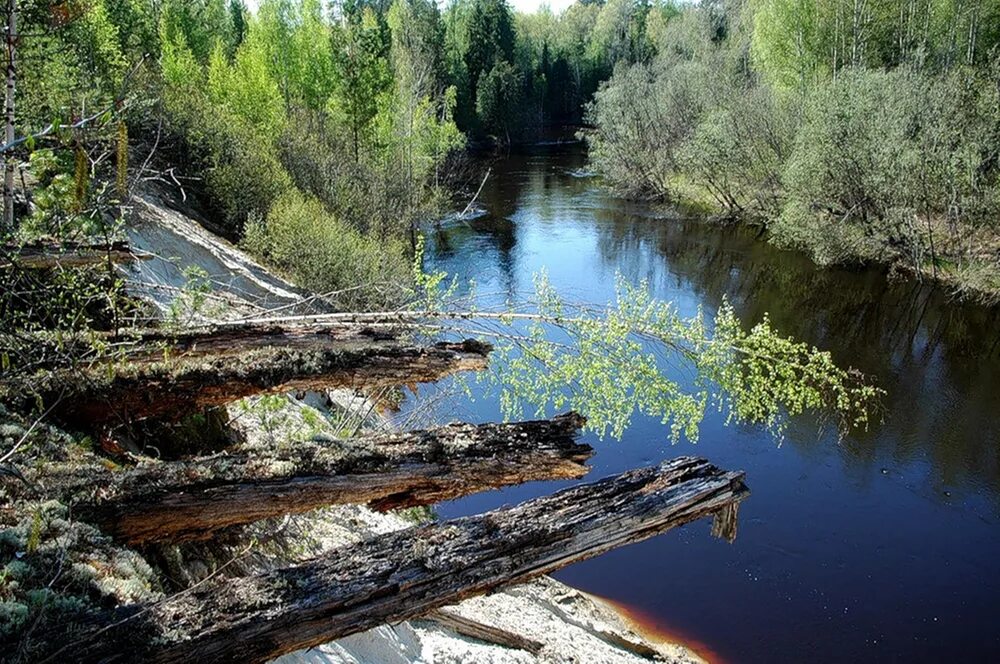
{"type": "Point", "coordinates": [42, 256]}
{"type": "Point", "coordinates": [173, 388]}
{"type": "Point", "coordinates": [228, 339]}
{"type": "Point", "coordinates": [185, 500]}
{"type": "Point", "coordinates": [406, 574]}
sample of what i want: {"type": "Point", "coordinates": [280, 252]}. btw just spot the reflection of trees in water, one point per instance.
{"type": "Point", "coordinates": [515, 179]}
{"type": "Point", "coordinates": [938, 360]}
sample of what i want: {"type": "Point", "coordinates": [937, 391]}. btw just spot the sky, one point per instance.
{"type": "Point", "coordinates": [525, 6]}
{"type": "Point", "coordinates": [528, 6]}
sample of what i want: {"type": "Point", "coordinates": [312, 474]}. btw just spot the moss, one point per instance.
{"type": "Point", "coordinates": [57, 571]}
{"type": "Point", "coordinates": [110, 465]}
{"type": "Point", "coordinates": [13, 616]}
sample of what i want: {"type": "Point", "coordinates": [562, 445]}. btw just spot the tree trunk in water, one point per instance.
{"type": "Point", "coordinates": [406, 574]}
{"type": "Point", "coordinates": [193, 499]}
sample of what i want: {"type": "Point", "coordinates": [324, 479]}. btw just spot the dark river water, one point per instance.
{"type": "Point", "coordinates": [881, 547]}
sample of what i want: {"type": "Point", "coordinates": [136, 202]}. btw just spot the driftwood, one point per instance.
{"type": "Point", "coordinates": [186, 500]}
{"type": "Point", "coordinates": [483, 632]}
{"type": "Point", "coordinates": [107, 395]}
{"type": "Point", "coordinates": [403, 575]}
{"type": "Point", "coordinates": [42, 256]}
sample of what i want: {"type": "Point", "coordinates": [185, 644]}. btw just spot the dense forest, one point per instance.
{"type": "Point", "coordinates": [296, 124]}
{"type": "Point", "coordinates": [860, 131]}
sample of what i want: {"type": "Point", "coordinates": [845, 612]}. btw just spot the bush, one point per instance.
{"type": "Point", "coordinates": [887, 161]}
{"type": "Point", "coordinates": [244, 176]}
{"type": "Point", "coordinates": [642, 117]}
{"type": "Point", "coordinates": [325, 254]}
{"type": "Point", "coordinates": [371, 193]}
{"type": "Point", "coordinates": [739, 148]}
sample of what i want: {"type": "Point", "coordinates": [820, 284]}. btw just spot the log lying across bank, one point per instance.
{"type": "Point", "coordinates": [406, 574]}
{"type": "Point", "coordinates": [47, 255]}
{"type": "Point", "coordinates": [187, 500]}
{"type": "Point", "coordinates": [170, 389]}
{"type": "Point", "coordinates": [230, 339]}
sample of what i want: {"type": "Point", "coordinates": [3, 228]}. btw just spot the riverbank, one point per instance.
{"type": "Point", "coordinates": [560, 623]}
{"type": "Point", "coordinates": [966, 266]}
{"type": "Point", "coordinates": [565, 622]}
{"type": "Point", "coordinates": [832, 555]}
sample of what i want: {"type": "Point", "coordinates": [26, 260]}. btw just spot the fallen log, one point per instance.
{"type": "Point", "coordinates": [106, 395]}
{"type": "Point", "coordinates": [193, 499]}
{"type": "Point", "coordinates": [220, 340]}
{"type": "Point", "coordinates": [406, 574]}
{"type": "Point", "coordinates": [48, 255]}
{"type": "Point", "coordinates": [155, 345]}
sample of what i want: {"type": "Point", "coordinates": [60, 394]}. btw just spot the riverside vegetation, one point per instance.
{"type": "Point", "coordinates": [319, 136]}
{"type": "Point", "coordinates": [858, 131]}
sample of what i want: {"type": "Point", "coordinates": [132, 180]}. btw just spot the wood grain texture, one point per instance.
{"type": "Point", "coordinates": [408, 574]}
{"type": "Point", "coordinates": [192, 499]}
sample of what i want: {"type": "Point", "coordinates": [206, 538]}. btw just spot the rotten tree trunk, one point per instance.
{"type": "Point", "coordinates": [108, 395]}
{"type": "Point", "coordinates": [186, 500]}
{"type": "Point", "coordinates": [227, 339]}
{"type": "Point", "coordinates": [407, 574]}
{"type": "Point", "coordinates": [67, 255]}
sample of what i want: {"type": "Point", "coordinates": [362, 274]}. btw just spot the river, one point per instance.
{"type": "Point", "coordinates": [883, 546]}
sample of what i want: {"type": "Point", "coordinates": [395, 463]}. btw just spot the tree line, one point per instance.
{"type": "Point", "coordinates": [296, 124]}
{"type": "Point", "coordinates": [860, 131]}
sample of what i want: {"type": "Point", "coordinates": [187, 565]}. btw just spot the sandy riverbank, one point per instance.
{"type": "Point", "coordinates": [568, 625]}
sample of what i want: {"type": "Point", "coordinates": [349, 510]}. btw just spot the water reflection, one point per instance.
{"type": "Point", "coordinates": [880, 546]}
{"type": "Point", "coordinates": [939, 361]}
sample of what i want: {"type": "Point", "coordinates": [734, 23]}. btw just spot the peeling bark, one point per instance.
{"type": "Point", "coordinates": [106, 395]}
{"type": "Point", "coordinates": [406, 574]}
{"type": "Point", "coordinates": [188, 500]}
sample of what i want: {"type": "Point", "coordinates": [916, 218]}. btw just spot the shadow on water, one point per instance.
{"type": "Point", "coordinates": [878, 547]}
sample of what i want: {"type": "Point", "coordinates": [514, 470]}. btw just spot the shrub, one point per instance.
{"type": "Point", "coordinates": [739, 148]}
{"type": "Point", "coordinates": [642, 118]}
{"type": "Point", "coordinates": [884, 159]}
{"type": "Point", "coordinates": [325, 254]}
{"type": "Point", "coordinates": [371, 193]}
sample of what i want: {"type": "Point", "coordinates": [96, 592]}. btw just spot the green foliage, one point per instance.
{"type": "Point", "coordinates": [498, 99]}
{"type": "Point", "coordinates": [798, 42]}
{"type": "Point", "coordinates": [619, 32]}
{"type": "Point", "coordinates": [739, 148]}
{"type": "Point", "coordinates": [327, 255]}
{"type": "Point", "coordinates": [883, 157]}
{"type": "Point", "coordinates": [67, 67]}
{"type": "Point", "coordinates": [642, 119]}
{"type": "Point", "coordinates": [611, 364]}
{"type": "Point", "coordinates": [852, 130]}
{"type": "Point", "coordinates": [365, 76]}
